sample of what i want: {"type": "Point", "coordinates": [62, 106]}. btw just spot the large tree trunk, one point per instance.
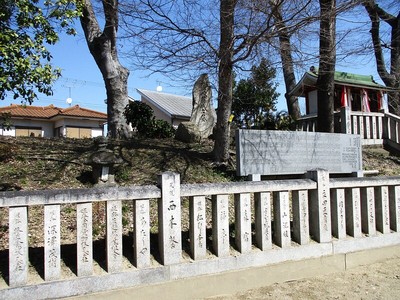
{"type": "Point", "coordinates": [327, 61]}
{"type": "Point", "coordinates": [392, 78]}
{"type": "Point", "coordinates": [102, 46]}
{"type": "Point", "coordinates": [225, 81]}
{"type": "Point", "coordinates": [285, 50]}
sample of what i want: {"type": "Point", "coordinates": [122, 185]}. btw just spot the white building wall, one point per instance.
{"type": "Point", "coordinates": [6, 132]}
{"type": "Point", "coordinates": [158, 114]}
{"type": "Point", "coordinates": [97, 132]}
{"type": "Point", "coordinates": [47, 127]}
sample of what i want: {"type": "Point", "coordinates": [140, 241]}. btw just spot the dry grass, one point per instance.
{"type": "Point", "coordinates": [37, 163]}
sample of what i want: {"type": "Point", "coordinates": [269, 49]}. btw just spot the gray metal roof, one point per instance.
{"type": "Point", "coordinates": [173, 105]}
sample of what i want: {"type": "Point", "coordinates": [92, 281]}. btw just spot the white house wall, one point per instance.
{"type": "Point", "coordinates": [158, 114]}
{"type": "Point", "coordinates": [5, 132]}
{"type": "Point", "coordinates": [47, 127]}
{"type": "Point", "coordinates": [96, 132]}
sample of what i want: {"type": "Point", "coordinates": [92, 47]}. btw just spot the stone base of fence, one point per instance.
{"type": "Point", "coordinates": [222, 275]}
{"type": "Point", "coordinates": [300, 219]}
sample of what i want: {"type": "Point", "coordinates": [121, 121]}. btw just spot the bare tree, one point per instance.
{"type": "Point", "coordinates": [390, 78]}
{"type": "Point", "coordinates": [180, 38]}
{"type": "Point", "coordinates": [225, 80]}
{"type": "Point", "coordinates": [285, 50]}
{"type": "Point", "coordinates": [103, 47]}
{"type": "Point", "coordinates": [327, 61]}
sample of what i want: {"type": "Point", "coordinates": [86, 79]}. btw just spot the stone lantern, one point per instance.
{"type": "Point", "coordinates": [103, 163]}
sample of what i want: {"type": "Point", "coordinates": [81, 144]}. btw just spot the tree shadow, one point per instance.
{"type": "Point", "coordinates": [69, 256]}
{"type": "Point", "coordinates": [36, 258]}
{"type": "Point", "coordinates": [4, 269]}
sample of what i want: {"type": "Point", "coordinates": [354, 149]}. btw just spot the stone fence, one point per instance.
{"type": "Point", "coordinates": [374, 128]}
{"type": "Point", "coordinates": [253, 224]}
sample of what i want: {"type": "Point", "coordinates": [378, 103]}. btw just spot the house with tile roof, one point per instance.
{"type": "Point", "coordinates": [172, 108]}
{"type": "Point", "coordinates": [358, 92]}
{"type": "Point", "coordinates": [51, 121]}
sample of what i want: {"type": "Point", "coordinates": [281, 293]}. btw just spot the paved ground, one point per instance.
{"type": "Point", "coordinates": [376, 281]}
{"type": "Point", "coordinates": [379, 280]}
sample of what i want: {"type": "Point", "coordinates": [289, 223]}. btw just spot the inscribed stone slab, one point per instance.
{"type": "Point", "coordinates": [114, 236]}
{"type": "Point", "coordinates": [282, 219]}
{"type": "Point", "coordinates": [368, 211]}
{"type": "Point", "coordinates": [338, 213]}
{"type": "Point", "coordinates": [243, 222]}
{"type": "Point", "coordinates": [320, 207]}
{"type": "Point", "coordinates": [301, 230]}
{"type": "Point", "coordinates": [220, 221]}
{"type": "Point", "coordinates": [52, 250]}
{"type": "Point", "coordinates": [262, 211]}
{"type": "Point", "coordinates": [353, 212]}
{"type": "Point", "coordinates": [382, 209]}
{"type": "Point", "coordinates": [169, 218]}
{"type": "Point", "coordinates": [141, 236]}
{"type": "Point", "coordinates": [295, 152]}
{"type": "Point", "coordinates": [84, 239]}
{"type": "Point", "coordinates": [197, 207]}
{"type": "Point", "coordinates": [18, 246]}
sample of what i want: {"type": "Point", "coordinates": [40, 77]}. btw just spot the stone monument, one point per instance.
{"type": "Point", "coordinates": [203, 117]}
{"type": "Point", "coordinates": [268, 152]}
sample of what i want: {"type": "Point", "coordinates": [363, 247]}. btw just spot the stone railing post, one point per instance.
{"type": "Point", "coordinates": [338, 210]}
{"type": "Point", "coordinates": [353, 212]}
{"type": "Point", "coordinates": [114, 236]}
{"type": "Point", "coordinates": [320, 207]}
{"type": "Point", "coordinates": [141, 235]}
{"type": "Point", "coordinates": [243, 222]}
{"type": "Point", "coordinates": [382, 209]}
{"type": "Point", "coordinates": [169, 218]}
{"type": "Point", "coordinates": [262, 212]}
{"type": "Point", "coordinates": [394, 200]}
{"type": "Point", "coordinates": [368, 221]}
{"type": "Point", "coordinates": [197, 208]}
{"type": "Point", "coordinates": [345, 117]}
{"type": "Point", "coordinates": [84, 240]}
{"type": "Point", "coordinates": [52, 242]}
{"type": "Point", "coordinates": [18, 246]}
{"type": "Point", "coordinates": [282, 235]}
{"type": "Point", "coordinates": [220, 225]}
{"type": "Point", "coordinates": [301, 228]}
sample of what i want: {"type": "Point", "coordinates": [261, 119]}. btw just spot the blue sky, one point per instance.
{"type": "Point", "coordinates": [82, 81]}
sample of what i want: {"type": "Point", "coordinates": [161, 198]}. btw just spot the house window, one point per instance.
{"type": "Point", "coordinates": [28, 131]}
{"type": "Point", "coordinates": [79, 132]}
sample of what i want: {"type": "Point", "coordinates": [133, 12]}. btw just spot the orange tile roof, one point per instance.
{"type": "Point", "coordinates": [50, 111]}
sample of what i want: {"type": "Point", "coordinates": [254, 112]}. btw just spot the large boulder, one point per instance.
{"type": "Point", "coordinates": [188, 132]}
{"type": "Point", "coordinates": [203, 113]}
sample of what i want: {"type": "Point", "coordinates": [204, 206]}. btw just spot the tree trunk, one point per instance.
{"type": "Point", "coordinates": [326, 71]}
{"type": "Point", "coordinates": [102, 46]}
{"type": "Point", "coordinates": [392, 78]}
{"type": "Point", "coordinates": [285, 50]}
{"type": "Point", "coordinates": [225, 81]}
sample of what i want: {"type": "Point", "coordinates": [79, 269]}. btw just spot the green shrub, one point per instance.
{"type": "Point", "coordinates": [160, 129]}
{"type": "Point", "coordinates": [140, 116]}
